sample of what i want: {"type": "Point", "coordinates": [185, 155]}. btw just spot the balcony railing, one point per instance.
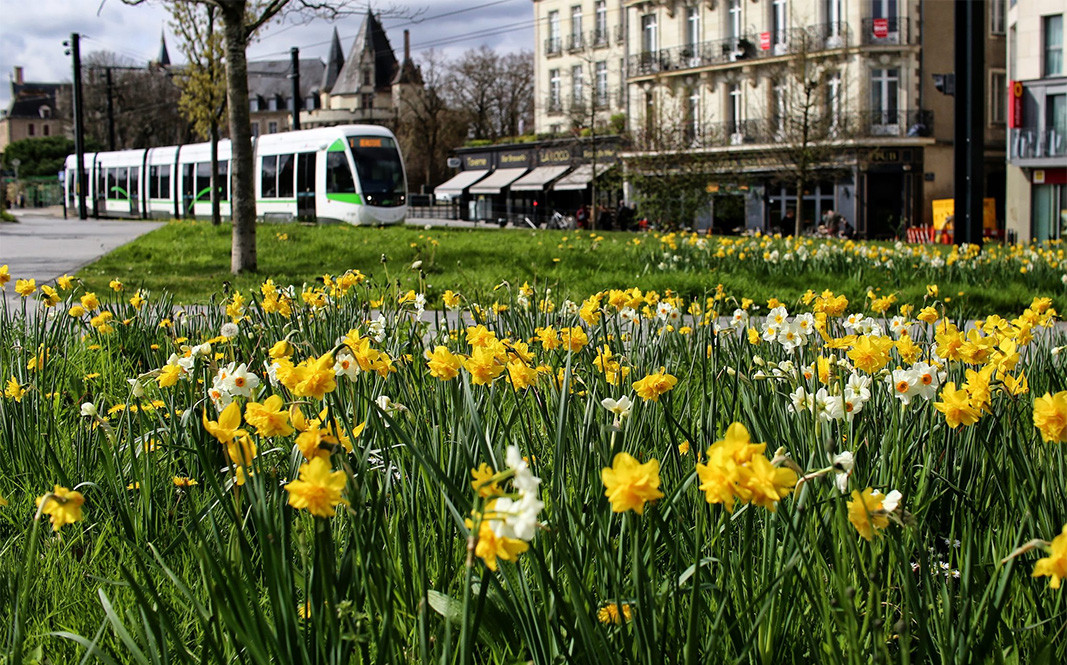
{"type": "Point", "coordinates": [893, 30]}
{"type": "Point", "coordinates": [1032, 143]}
{"type": "Point", "coordinates": [600, 37]}
{"type": "Point", "coordinates": [820, 37]}
{"type": "Point", "coordinates": [620, 34]}
{"type": "Point", "coordinates": [575, 42]}
{"type": "Point", "coordinates": [553, 46]}
{"type": "Point", "coordinates": [769, 131]}
{"type": "Point", "coordinates": [554, 104]}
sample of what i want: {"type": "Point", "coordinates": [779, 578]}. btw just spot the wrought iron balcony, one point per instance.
{"type": "Point", "coordinates": [893, 30]}
{"type": "Point", "coordinates": [1033, 143]}
{"type": "Point", "coordinates": [553, 46]}
{"type": "Point", "coordinates": [575, 42]}
{"type": "Point", "coordinates": [600, 38]}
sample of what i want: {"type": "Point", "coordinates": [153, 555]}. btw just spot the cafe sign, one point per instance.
{"type": "Point", "coordinates": [479, 160]}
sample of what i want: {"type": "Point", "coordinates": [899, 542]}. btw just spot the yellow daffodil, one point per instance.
{"type": "Point", "coordinates": [1055, 564]}
{"type": "Point", "coordinates": [628, 484]}
{"type": "Point", "coordinates": [318, 489]}
{"type": "Point", "coordinates": [62, 505]}
{"type": "Point", "coordinates": [1050, 417]}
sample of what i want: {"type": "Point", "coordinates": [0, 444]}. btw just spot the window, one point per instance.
{"type": "Point", "coordinates": [778, 110]}
{"type": "Point", "coordinates": [555, 85]}
{"type": "Point", "coordinates": [1053, 36]}
{"type": "Point", "coordinates": [366, 77]}
{"type": "Point", "coordinates": [339, 174]}
{"type": "Point", "coordinates": [692, 26]}
{"type": "Point", "coordinates": [255, 129]}
{"type": "Point", "coordinates": [692, 113]}
{"type": "Point", "coordinates": [884, 91]}
{"type": "Point", "coordinates": [883, 8]}
{"type": "Point", "coordinates": [1056, 116]}
{"type": "Point", "coordinates": [833, 101]}
{"type": "Point", "coordinates": [602, 83]}
{"type": "Point", "coordinates": [286, 171]}
{"type": "Point", "coordinates": [779, 23]}
{"type": "Point", "coordinates": [552, 45]}
{"type": "Point", "coordinates": [31, 130]}
{"type": "Point", "coordinates": [834, 24]}
{"type": "Point", "coordinates": [997, 16]}
{"type": "Point", "coordinates": [734, 24]}
{"type": "Point", "coordinates": [203, 181]}
{"type": "Point", "coordinates": [601, 27]}
{"type": "Point", "coordinates": [576, 27]}
{"type": "Point", "coordinates": [649, 37]}
{"type": "Point", "coordinates": [578, 83]}
{"type": "Point", "coordinates": [733, 109]}
{"type": "Point", "coordinates": [268, 177]}
{"type": "Point", "coordinates": [366, 101]}
{"type": "Point", "coordinates": [47, 129]}
{"type": "Point", "coordinates": [998, 96]}
{"type": "Point", "coordinates": [272, 127]}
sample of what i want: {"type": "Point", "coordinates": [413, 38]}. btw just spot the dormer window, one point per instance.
{"type": "Point", "coordinates": [45, 112]}
{"type": "Point", "coordinates": [366, 77]}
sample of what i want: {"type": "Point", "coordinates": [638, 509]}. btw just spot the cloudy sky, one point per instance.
{"type": "Point", "coordinates": [34, 39]}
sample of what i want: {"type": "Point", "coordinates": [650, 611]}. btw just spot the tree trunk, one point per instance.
{"type": "Point", "coordinates": [242, 195]}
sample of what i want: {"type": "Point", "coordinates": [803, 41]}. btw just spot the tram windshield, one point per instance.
{"type": "Point", "coordinates": [380, 171]}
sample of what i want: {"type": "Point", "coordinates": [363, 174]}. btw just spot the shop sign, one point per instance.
{"type": "Point", "coordinates": [478, 161]}
{"type": "Point", "coordinates": [555, 155]}
{"type": "Point", "coordinates": [881, 28]}
{"type": "Point", "coordinates": [604, 153]}
{"type": "Point", "coordinates": [1015, 105]}
{"type": "Point", "coordinates": [513, 159]}
{"type": "Point", "coordinates": [1039, 176]}
{"type": "Point", "coordinates": [765, 41]}
{"type": "Point", "coordinates": [885, 156]}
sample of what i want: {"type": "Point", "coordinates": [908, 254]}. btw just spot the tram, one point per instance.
{"type": "Point", "coordinates": [350, 173]}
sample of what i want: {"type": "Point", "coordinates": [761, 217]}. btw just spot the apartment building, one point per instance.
{"type": "Point", "coordinates": [748, 86]}
{"type": "Point", "coordinates": [1037, 115]}
{"type": "Point", "coordinates": [580, 64]}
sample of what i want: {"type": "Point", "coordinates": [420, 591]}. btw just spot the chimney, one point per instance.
{"type": "Point", "coordinates": [18, 75]}
{"type": "Point", "coordinates": [407, 46]}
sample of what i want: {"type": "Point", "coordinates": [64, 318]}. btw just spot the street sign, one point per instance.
{"type": "Point", "coordinates": [881, 28]}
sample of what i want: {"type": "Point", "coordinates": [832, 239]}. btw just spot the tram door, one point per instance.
{"type": "Point", "coordinates": [305, 186]}
{"type": "Point", "coordinates": [188, 190]}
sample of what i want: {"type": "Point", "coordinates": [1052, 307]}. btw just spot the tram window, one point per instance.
{"type": "Point", "coordinates": [268, 177]}
{"type": "Point", "coordinates": [101, 184]}
{"type": "Point", "coordinates": [153, 182]}
{"type": "Point", "coordinates": [223, 180]}
{"type": "Point", "coordinates": [339, 174]}
{"type": "Point", "coordinates": [164, 182]}
{"type": "Point", "coordinates": [285, 176]}
{"type": "Point", "coordinates": [203, 181]}
{"type": "Point", "coordinates": [134, 184]}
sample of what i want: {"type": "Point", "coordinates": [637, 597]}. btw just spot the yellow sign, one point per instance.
{"type": "Point", "coordinates": [712, 187]}
{"type": "Point", "coordinates": [944, 210]}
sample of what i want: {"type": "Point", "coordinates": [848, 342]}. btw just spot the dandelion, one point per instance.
{"type": "Point", "coordinates": [182, 481]}
{"type": "Point", "coordinates": [628, 484]}
{"type": "Point", "coordinates": [62, 505]}
{"type": "Point", "coordinates": [318, 490]}
{"type": "Point", "coordinates": [229, 330]}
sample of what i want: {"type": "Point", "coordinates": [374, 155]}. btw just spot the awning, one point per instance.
{"type": "Point", "coordinates": [535, 180]}
{"type": "Point", "coordinates": [580, 177]}
{"type": "Point", "coordinates": [497, 180]}
{"type": "Point", "coordinates": [456, 184]}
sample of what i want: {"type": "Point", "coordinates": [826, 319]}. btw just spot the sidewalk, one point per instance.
{"type": "Point", "coordinates": [43, 245]}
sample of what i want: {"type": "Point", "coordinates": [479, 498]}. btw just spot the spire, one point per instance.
{"type": "Point", "coordinates": [334, 61]}
{"type": "Point", "coordinates": [164, 58]}
{"type": "Point", "coordinates": [408, 72]}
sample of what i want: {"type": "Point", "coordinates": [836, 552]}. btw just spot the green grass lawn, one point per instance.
{"type": "Point", "coordinates": [191, 261]}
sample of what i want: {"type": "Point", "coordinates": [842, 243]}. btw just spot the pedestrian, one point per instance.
{"type": "Point", "coordinates": [582, 216]}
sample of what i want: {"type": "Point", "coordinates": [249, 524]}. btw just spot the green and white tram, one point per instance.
{"type": "Point", "coordinates": [349, 173]}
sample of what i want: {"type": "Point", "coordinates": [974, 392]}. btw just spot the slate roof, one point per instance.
{"type": "Point", "coordinates": [334, 62]}
{"type": "Point", "coordinates": [27, 99]}
{"type": "Point", "coordinates": [270, 78]}
{"type": "Point", "coordinates": [370, 40]}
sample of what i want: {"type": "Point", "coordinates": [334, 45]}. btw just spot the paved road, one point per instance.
{"type": "Point", "coordinates": [43, 245]}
